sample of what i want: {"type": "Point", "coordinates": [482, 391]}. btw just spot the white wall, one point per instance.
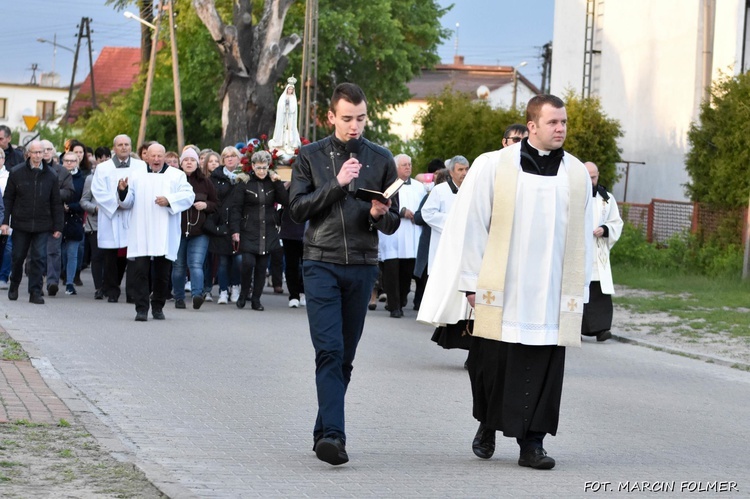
{"type": "Point", "coordinates": [648, 76]}
{"type": "Point", "coordinates": [22, 99]}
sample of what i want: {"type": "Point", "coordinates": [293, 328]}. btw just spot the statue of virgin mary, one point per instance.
{"type": "Point", "coordinates": [285, 134]}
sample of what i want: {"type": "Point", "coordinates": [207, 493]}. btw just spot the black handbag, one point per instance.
{"type": "Point", "coordinates": [73, 229]}
{"type": "Point", "coordinates": [213, 226]}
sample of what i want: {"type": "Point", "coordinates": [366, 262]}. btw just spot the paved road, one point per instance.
{"type": "Point", "coordinates": [220, 403]}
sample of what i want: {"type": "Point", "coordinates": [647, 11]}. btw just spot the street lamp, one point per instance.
{"type": "Point", "coordinates": [130, 15]}
{"type": "Point", "coordinates": [515, 82]}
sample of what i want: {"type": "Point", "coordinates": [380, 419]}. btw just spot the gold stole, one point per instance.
{"type": "Point", "coordinates": [491, 283]}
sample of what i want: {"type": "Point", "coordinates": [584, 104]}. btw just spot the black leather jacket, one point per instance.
{"type": "Point", "coordinates": [340, 227]}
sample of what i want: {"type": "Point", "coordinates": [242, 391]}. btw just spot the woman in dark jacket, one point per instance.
{"type": "Point", "coordinates": [229, 260]}
{"type": "Point", "coordinates": [193, 243]}
{"type": "Point", "coordinates": [254, 223]}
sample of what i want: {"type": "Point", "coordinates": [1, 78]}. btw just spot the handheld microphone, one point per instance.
{"type": "Point", "coordinates": [352, 147]}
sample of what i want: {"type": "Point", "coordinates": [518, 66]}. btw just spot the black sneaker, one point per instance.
{"type": "Point", "coordinates": [197, 302]}
{"type": "Point", "coordinates": [52, 289]}
{"type": "Point", "coordinates": [70, 290]}
{"type": "Point", "coordinates": [179, 304]}
{"type": "Point", "coordinates": [158, 315]}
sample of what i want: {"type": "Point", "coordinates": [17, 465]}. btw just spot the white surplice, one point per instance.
{"type": "Point", "coordinates": [403, 243]}
{"type": "Point", "coordinates": [435, 213]}
{"type": "Point", "coordinates": [605, 213]}
{"type": "Point", "coordinates": [113, 220]}
{"type": "Point", "coordinates": [155, 230]}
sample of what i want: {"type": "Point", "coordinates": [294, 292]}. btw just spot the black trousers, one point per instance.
{"type": "Point", "coordinates": [97, 260]}
{"type": "Point", "coordinates": [136, 285]}
{"type": "Point", "coordinates": [293, 260]}
{"type": "Point", "coordinates": [277, 267]}
{"type": "Point", "coordinates": [33, 245]}
{"type": "Point", "coordinates": [113, 268]}
{"type": "Point", "coordinates": [253, 270]}
{"type": "Point", "coordinates": [397, 276]}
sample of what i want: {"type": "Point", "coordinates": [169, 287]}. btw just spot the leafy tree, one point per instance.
{"type": "Point", "coordinates": [718, 161]}
{"type": "Point", "coordinates": [592, 136]}
{"type": "Point", "coordinates": [455, 124]}
{"type": "Point", "coordinates": [379, 44]}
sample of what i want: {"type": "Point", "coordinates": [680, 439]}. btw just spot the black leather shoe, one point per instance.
{"type": "Point", "coordinates": [141, 316]}
{"type": "Point", "coordinates": [332, 451]}
{"type": "Point", "coordinates": [52, 289]}
{"type": "Point", "coordinates": [99, 295]}
{"type": "Point", "coordinates": [397, 314]}
{"type": "Point", "coordinates": [484, 442]}
{"type": "Point", "coordinates": [537, 459]}
{"type": "Point", "coordinates": [179, 304]}
{"type": "Point", "coordinates": [13, 293]}
{"type": "Point", "coordinates": [197, 302]}
{"type": "Point", "coordinates": [112, 299]}
{"type": "Point", "coordinates": [604, 335]}
{"type": "Point", "coordinates": [257, 306]}
{"type": "Point", "coordinates": [36, 299]}
{"type": "Point", "coordinates": [241, 301]}
{"type": "Point", "coordinates": [158, 315]}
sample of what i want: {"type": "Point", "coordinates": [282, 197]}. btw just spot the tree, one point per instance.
{"type": "Point", "coordinates": [718, 161]}
{"type": "Point", "coordinates": [454, 124]}
{"type": "Point", "coordinates": [379, 44]}
{"type": "Point", "coordinates": [592, 136]}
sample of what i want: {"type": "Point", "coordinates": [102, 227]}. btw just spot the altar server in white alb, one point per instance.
{"type": "Point", "coordinates": [597, 313]}
{"type": "Point", "coordinates": [525, 267]}
{"type": "Point", "coordinates": [398, 251]}
{"type": "Point", "coordinates": [156, 198]}
{"type": "Point", "coordinates": [113, 220]}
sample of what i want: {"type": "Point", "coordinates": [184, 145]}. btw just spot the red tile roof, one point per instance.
{"type": "Point", "coordinates": [464, 78]}
{"type": "Point", "coordinates": [115, 69]}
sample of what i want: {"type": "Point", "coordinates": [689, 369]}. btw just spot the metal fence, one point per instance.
{"type": "Point", "coordinates": [661, 219]}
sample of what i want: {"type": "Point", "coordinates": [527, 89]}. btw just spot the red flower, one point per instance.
{"type": "Point", "coordinates": [275, 154]}
{"type": "Point", "coordinates": [244, 161]}
{"type": "Point", "coordinates": [304, 141]}
{"type": "Point", "coordinates": [243, 150]}
{"type": "Point", "coordinates": [296, 152]}
{"type": "Point", "coordinates": [263, 137]}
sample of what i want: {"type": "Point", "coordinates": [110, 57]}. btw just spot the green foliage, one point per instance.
{"type": "Point", "coordinates": [681, 254]}
{"type": "Point", "coordinates": [454, 124]}
{"type": "Point", "coordinates": [201, 75]}
{"type": "Point", "coordinates": [718, 161]}
{"type": "Point", "coordinates": [592, 136]}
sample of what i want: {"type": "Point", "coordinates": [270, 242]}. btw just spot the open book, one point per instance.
{"type": "Point", "coordinates": [383, 197]}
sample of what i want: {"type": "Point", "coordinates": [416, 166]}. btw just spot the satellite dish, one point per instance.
{"type": "Point", "coordinates": [483, 92]}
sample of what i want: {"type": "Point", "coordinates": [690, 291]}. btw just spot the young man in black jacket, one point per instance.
{"type": "Point", "coordinates": [340, 252]}
{"type": "Point", "coordinates": [34, 210]}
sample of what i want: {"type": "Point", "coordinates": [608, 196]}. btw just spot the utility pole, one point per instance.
{"type": "Point", "coordinates": [84, 26]}
{"type": "Point", "coordinates": [627, 175]}
{"type": "Point", "coordinates": [309, 91]}
{"type": "Point", "coordinates": [546, 67]}
{"type": "Point", "coordinates": [164, 5]}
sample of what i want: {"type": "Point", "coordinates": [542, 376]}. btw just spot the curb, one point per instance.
{"type": "Point", "coordinates": [710, 359]}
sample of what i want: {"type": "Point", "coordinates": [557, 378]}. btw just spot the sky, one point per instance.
{"type": "Point", "coordinates": [490, 32]}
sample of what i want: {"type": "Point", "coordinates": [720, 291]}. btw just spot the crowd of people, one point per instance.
{"type": "Point", "coordinates": [501, 250]}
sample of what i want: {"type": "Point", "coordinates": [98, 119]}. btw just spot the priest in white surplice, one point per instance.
{"type": "Point", "coordinates": [398, 251]}
{"type": "Point", "coordinates": [157, 198]}
{"type": "Point", "coordinates": [598, 312]}
{"type": "Point", "coordinates": [113, 220]}
{"type": "Point", "coordinates": [525, 266]}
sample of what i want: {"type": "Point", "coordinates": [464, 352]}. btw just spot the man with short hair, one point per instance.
{"type": "Point", "coordinates": [67, 190]}
{"type": "Point", "coordinates": [340, 251]}
{"type": "Point", "coordinates": [34, 210]}
{"type": "Point", "coordinates": [435, 210]}
{"type": "Point", "coordinates": [525, 264]}
{"type": "Point", "coordinates": [398, 251]}
{"type": "Point", "coordinates": [157, 198]}
{"type": "Point", "coordinates": [13, 155]}
{"type": "Point", "coordinates": [113, 221]}
{"type": "Point", "coordinates": [597, 313]}
{"type": "Point", "coordinates": [514, 134]}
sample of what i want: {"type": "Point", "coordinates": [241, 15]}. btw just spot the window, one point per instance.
{"type": "Point", "coordinates": [45, 109]}
{"type": "Point", "coordinates": [3, 108]}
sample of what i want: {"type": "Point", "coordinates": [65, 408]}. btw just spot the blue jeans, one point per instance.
{"type": "Point", "coordinates": [7, 259]}
{"type": "Point", "coordinates": [191, 255]}
{"type": "Point", "coordinates": [337, 298]}
{"type": "Point", "coordinates": [70, 259]}
{"type": "Point", "coordinates": [230, 268]}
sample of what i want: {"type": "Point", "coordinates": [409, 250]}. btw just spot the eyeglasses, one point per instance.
{"type": "Point", "coordinates": [260, 168]}
{"type": "Point", "coordinates": [36, 152]}
{"type": "Point", "coordinates": [514, 139]}
{"type": "Point", "coordinates": [49, 148]}
{"type": "Point", "coordinates": [70, 161]}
